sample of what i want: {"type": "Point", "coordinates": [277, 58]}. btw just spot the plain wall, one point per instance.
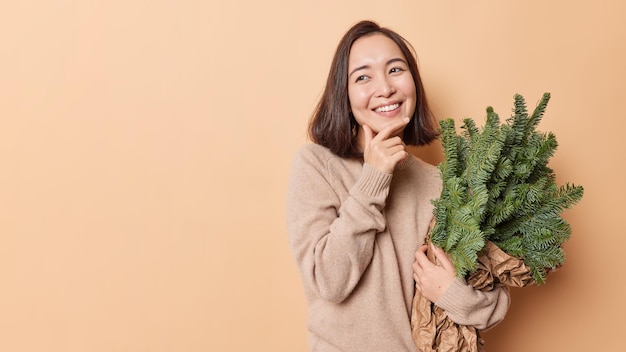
{"type": "Point", "coordinates": [145, 149]}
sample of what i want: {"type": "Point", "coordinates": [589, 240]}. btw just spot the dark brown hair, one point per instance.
{"type": "Point", "coordinates": [333, 125]}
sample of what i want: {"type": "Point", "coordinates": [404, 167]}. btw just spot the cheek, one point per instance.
{"type": "Point", "coordinates": [359, 98]}
{"type": "Point", "coordinates": [410, 93]}
{"type": "Point", "coordinates": [408, 87]}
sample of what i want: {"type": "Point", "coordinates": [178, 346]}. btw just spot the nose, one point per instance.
{"type": "Point", "coordinates": [385, 88]}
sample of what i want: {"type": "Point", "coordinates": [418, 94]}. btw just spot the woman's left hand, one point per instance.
{"type": "Point", "coordinates": [432, 280]}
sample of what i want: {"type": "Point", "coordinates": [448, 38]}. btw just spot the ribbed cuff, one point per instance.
{"type": "Point", "coordinates": [452, 299]}
{"type": "Point", "coordinates": [373, 182]}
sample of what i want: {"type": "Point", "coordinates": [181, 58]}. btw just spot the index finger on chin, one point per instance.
{"type": "Point", "coordinates": [392, 127]}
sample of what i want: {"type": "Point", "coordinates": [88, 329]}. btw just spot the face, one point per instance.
{"type": "Point", "coordinates": [380, 85]}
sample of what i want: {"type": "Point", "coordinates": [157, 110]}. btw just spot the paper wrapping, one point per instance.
{"type": "Point", "coordinates": [434, 331]}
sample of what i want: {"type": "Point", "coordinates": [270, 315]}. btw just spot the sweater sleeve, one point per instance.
{"type": "Point", "coordinates": [468, 306]}
{"type": "Point", "coordinates": [333, 238]}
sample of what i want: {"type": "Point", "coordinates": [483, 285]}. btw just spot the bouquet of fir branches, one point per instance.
{"type": "Point", "coordinates": [499, 214]}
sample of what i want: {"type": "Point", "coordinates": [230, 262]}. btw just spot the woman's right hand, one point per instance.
{"type": "Point", "coordinates": [385, 150]}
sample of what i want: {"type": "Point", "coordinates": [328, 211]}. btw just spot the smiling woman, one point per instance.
{"type": "Point", "coordinates": [381, 87]}
{"type": "Point", "coordinates": [381, 93]}
{"type": "Point", "coordinates": [359, 205]}
{"type": "Point", "coordinates": [333, 124]}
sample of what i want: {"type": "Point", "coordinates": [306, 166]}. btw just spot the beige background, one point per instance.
{"type": "Point", "coordinates": [145, 148]}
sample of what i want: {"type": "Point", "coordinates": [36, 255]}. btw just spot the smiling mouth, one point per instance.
{"type": "Point", "coordinates": [387, 108]}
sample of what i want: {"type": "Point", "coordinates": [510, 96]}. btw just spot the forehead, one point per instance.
{"type": "Point", "coordinates": [372, 49]}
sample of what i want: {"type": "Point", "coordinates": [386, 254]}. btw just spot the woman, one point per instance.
{"type": "Point", "coordinates": [359, 205]}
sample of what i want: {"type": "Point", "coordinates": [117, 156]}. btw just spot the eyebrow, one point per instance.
{"type": "Point", "coordinates": [389, 62]}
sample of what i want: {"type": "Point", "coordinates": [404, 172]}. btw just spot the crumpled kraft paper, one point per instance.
{"type": "Point", "coordinates": [434, 331]}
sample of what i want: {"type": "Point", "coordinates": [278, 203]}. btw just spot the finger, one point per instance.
{"type": "Point", "coordinates": [391, 128]}
{"type": "Point", "coordinates": [421, 251]}
{"type": "Point", "coordinates": [416, 273]}
{"type": "Point", "coordinates": [418, 286]}
{"type": "Point", "coordinates": [398, 154]}
{"type": "Point", "coordinates": [416, 263]}
{"type": "Point", "coordinates": [396, 150]}
{"type": "Point", "coordinates": [420, 256]}
{"type": "Point", "coordinates": [416, 268]}
{"type": "Point", "coordinates": [393, 141]}
{"type": "Point", "coordinates": [442, 258]}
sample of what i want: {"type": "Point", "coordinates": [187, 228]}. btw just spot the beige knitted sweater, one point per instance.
{"type": "Point", "coordinates": [353, 231]}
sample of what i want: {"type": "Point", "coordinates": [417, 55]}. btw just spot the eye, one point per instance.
{"type": "Point", "coordinates": [361, 78]}
{"type": "Point", "coordinates": [396, 69]}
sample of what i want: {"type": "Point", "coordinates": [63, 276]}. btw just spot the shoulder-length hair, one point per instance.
{"type": "Point", "coordinates": [333, 125]}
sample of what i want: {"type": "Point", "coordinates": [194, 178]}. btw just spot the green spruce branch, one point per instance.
{"type": "Point", "coordinates": [497, 187]}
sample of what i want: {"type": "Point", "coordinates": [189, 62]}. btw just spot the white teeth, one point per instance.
{"type": "Point", "coordinates": [387, 108]}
